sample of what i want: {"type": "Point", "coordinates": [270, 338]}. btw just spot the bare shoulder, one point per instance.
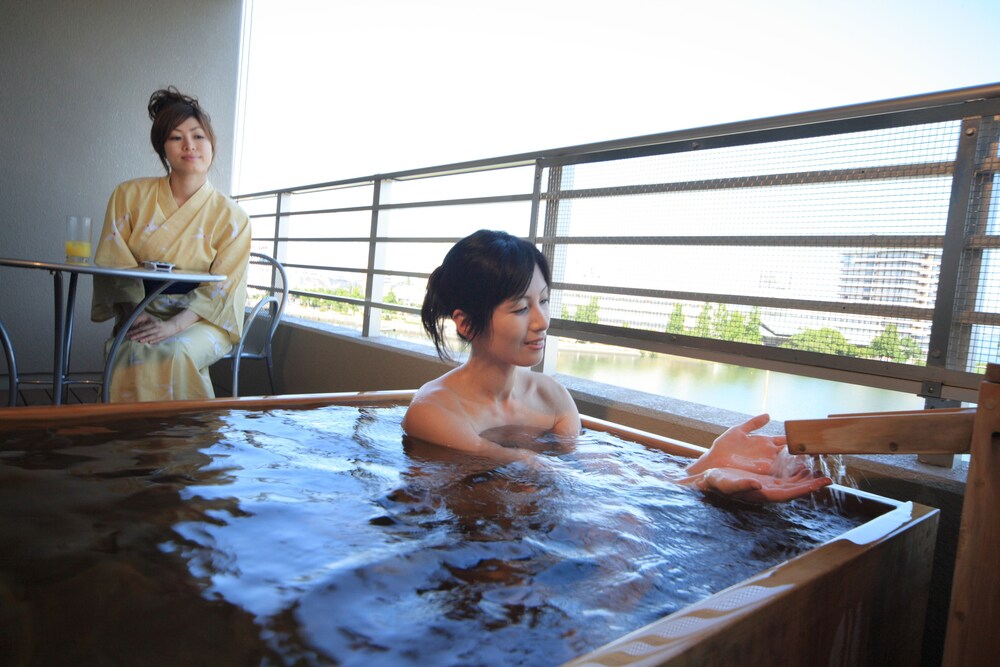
{"type": "Point", "coordinates": [556, 399]}
{"type": "Point", "coordinates": [547, 387]}
{"type": "Point", "coordinates": [439, 390]}
{"type": "Point", "coordinates": [434, 403]}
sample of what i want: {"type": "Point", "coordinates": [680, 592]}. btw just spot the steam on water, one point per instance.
{"type": "Point", "coordinates": [319, 537]}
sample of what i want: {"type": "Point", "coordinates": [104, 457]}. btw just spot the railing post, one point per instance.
{"type": "Point", "coordinates": [960, 264]}
{"type": "Point", "coordinates": [283, 206]}
{"type": "Point", "coordinates": [536, 201]}
{"type": "Point", "coordinates": [374, 283]}
{"type": "Point", "coordinates": [557, 222]}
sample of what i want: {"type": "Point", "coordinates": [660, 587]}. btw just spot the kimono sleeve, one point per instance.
{"type": "Point", "coordinates": [224, 303]}
{"type": "Point", "coordinates": [113, 251]}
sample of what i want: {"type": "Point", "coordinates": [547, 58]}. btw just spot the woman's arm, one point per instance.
{"type": "Point", "coordinates": [112, 295]}
{"type": "Point", "coordinates": [223, 303]}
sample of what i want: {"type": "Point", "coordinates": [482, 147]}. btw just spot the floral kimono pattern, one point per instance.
{"type": "Point", "coordinates": [208, 234]}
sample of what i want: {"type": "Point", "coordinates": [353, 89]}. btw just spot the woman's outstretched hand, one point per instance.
{"type": "Point", "coordinates": [756, 487]}
{"type": "Point", "coordinates": [752, 467]}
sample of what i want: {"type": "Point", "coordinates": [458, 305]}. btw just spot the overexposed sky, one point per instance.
{"type": "Point", "coordinates": [342, 88]}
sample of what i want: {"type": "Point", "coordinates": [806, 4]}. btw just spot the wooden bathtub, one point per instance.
{"type": "Point", "coordinates": [859, 599]}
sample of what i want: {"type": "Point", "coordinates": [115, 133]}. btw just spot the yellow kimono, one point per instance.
{"type": "Point", "coordinates": [208, 234]}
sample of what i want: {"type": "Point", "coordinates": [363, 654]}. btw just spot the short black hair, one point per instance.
{"type": "Point", "coordinates": [479, 273]}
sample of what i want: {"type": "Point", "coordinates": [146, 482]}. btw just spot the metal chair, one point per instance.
{"type": "Point", "coordinates": [267, 275]}
{"type": "Point", "coordinates": [16, 380]}
{"type": "Point", "coordinates": [12, 380]}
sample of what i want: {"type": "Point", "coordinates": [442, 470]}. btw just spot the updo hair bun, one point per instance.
{"type": "Point", "coordinates": [168, 108]}
{"type": "Point", "coordinates": [169, 96]}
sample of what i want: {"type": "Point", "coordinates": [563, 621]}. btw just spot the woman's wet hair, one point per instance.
{"type": "Point", "coordinates": [479, 273]}
{"type": "Point", "coordinates": [168, 108]}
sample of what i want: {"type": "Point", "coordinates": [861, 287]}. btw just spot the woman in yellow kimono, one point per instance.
{"type": "Point", "coordinates": [183, 220]}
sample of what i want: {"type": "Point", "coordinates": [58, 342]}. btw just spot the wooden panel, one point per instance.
{"type": "Point", "coordinates": [925, 432]}
{"type": "Point", "coordinates": [975, 595]}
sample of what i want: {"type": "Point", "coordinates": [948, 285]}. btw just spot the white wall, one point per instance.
{"type": "Point", "coordinates": [75, 78]}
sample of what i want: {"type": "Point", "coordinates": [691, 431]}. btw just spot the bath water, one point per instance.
{"type": "Point", "coordinates": [319, 537]}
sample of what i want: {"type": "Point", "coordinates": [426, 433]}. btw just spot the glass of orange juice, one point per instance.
{"type": "Point", "coordinates": [77, 239]}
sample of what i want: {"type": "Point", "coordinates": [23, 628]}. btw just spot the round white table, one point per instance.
{"type": "Point", "coordinates": [66, 306]}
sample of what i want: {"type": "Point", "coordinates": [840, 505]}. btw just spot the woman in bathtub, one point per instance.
{"type": "Point", "coordinates": [495, 288]}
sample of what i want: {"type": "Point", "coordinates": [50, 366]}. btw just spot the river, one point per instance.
{"type": "Point", "coordinates": [746, 390]}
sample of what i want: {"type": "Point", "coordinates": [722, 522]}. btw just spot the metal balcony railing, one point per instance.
{"type": "Point", "coordinates": [857, 244]}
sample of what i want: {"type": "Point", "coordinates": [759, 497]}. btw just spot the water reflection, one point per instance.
{"type": "Point", "coordinates": [740, 389]}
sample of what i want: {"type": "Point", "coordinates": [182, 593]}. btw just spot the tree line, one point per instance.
{"type": "Point", "coordinates": [719, 322]}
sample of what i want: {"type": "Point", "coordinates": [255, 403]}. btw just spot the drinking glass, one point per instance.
{"type": "Point", "coordinates": [77, 239]}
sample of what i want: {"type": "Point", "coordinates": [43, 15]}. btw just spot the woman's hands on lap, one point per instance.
{"type": "Point", "coordinates": [148, 329]}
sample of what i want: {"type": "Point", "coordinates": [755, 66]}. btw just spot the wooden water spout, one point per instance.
{"type": "Point", "coordinates": [975, 596]}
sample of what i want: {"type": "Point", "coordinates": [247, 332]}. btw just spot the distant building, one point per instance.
{"type": "Point", "coordinates": [891, 276]}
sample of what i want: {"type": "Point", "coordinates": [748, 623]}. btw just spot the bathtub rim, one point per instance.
{"type": "Point", "coordinates": [57, 415]}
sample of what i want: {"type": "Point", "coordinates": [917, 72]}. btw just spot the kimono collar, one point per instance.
{"type": "Point", "coordinates": [168, 205]}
